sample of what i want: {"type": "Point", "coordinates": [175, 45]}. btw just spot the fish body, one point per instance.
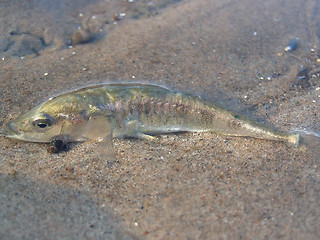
{"type": "Point", "coordinates": [131, 110]}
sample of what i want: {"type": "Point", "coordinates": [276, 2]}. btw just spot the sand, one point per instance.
{"type": "Point", "coordinates": [184, 186]}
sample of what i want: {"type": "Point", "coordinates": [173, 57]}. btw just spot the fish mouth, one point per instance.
{"type": "Point", "coordinates": [10, 131]}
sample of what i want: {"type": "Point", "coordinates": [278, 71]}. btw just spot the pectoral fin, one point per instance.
{"type": "Point", "coordinates": [99, 130]}
{"type": "Point", "coordinates": [105, 150]}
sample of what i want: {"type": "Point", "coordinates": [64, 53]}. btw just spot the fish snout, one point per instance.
{"type": "Point", "coordinates": [10, 130]}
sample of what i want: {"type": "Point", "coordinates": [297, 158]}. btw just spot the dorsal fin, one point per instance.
{"type": "Point", "coordinates": [142, 85]}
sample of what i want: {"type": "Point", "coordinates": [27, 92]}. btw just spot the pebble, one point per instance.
{"type": "Point", "coordinates": [303, 79]}
{"type": "Point", "coordinates": [57, 146]}
{"type": "Point", "coordinates": [80, 36]}
{"type": "Point", "coordinates": [48, 36]}
{"type": "Point", "coordinates": [293, 45]}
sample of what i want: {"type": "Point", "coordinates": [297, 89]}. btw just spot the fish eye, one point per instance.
{"type": "Point", "coordinates": [42, 123]}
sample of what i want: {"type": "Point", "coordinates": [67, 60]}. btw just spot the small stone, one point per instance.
{"type": "Point", "coordinates": [80, 36]}
{"type": "Point", "coordinates": [119, 17]}
{"type": "Point", "coordinates": [47, 36]}
{"type": "Point", "coordinates": [303, 79]}
{"type": "Point", "coordinates": [293, 45]}
{"type": "Point", "coordinates": [57, 146]}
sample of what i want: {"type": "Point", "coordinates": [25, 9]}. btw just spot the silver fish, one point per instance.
{"type": "Point", "coordinates": [131, 110]}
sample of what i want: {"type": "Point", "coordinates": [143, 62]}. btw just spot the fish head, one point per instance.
{"type": "Point", "coordinates": [50, 121]}
{"type": "Point", "coordinates": [33, 126]}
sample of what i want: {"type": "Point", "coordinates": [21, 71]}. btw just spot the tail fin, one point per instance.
{"type": "Point", "coordinates": [309, 139]}
{"type": "Point", "coordinates": [294, 139]}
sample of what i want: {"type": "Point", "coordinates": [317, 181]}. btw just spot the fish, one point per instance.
{"type": "Point", "coordinates": [132, 110]}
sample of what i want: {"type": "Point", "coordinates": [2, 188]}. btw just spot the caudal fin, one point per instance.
{"type": "Point", "coordinates": [310, 139]}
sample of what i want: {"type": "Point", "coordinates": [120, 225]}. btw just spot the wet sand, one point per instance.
{"type": "Point", "coordinates": [185, 186]}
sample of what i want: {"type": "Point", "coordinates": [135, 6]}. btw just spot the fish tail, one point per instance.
{"type": "Point", "coordinates": [310, 139]}
{"type": "Point", "coordinates": [295, 139]}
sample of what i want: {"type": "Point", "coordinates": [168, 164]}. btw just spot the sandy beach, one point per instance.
{"type": "Point", "coordinates": [183, 186]}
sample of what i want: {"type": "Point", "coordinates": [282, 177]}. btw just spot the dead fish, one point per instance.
{"type": "Point", "coordinates": [109, 111]}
